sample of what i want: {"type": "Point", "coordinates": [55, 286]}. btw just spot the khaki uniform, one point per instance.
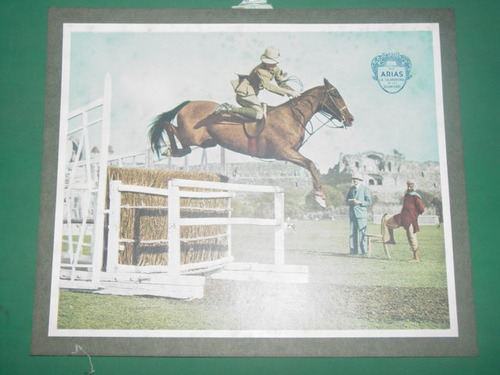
{"type": "Point", "coordinates": [247, 87]}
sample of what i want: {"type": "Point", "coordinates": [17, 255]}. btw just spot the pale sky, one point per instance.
{"type": "Point", "coordinates": [155, 68]}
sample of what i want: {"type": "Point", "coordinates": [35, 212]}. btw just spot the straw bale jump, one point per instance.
{"type": "Point", "coordinates": [186, 230]}
{"type": "Point", "coordinates": [164, 241]}
{"type": "Point", "coordinates": [133, 231]}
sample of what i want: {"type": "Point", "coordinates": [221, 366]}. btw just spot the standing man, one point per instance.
{"type": "Point", "coordinates": [408, 219]}
{"type": "Point", "coordinates": [358, 198]}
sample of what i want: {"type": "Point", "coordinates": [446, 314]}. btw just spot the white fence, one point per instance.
{"type": "Point", "coordinates": [177, 279]}
{"type": "Point", "coordinates": [80, 219]}
{"type": "Point", "coordinates": [81, 203]}
{"type": "Point", "coordinates": [177, 190]}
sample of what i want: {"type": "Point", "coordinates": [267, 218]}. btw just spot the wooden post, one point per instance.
{"type": "Point", "coordinates": [229, 229]}
{"type": "Point", "coordinates": [223, 161]}
{"type": "Point", "coordinates": [98, 241]}
{"type": "Point", "coordinates": [204, 159]}
{"type": "Point", "coordinates": [114, 226]}
{"type": "Point", "coordinates": [279, 231]}
{"type": "Point", "coordinates": [174, 230]}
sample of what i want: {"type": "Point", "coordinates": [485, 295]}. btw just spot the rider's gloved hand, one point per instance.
{"type": "Point", "coordinates": [293, 94]}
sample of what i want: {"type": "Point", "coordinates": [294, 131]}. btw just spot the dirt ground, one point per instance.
{"type": "Point", "coordinates": [344, 292]}
{"type": "Point", "coordinates": [258, 305]}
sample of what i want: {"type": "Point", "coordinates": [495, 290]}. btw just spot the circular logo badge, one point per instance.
{"type": "Point", "coordinates": [391, 71]}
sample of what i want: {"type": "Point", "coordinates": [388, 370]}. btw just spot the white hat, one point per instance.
{"type": "Point", "coordinates": [357, 177]}
{"type": "Point", "coordinates": [271, 55]}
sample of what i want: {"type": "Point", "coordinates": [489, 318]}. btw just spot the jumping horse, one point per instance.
{"type": "Point", "coordinates": [280, 137]}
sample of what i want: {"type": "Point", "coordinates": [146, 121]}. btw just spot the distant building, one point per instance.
{"type": "Point", "coordinates": [273, 172]}
{"type": "Point", "coordinates": [387, 172]}
{"type": "Point", "coordinates": [386, 175]}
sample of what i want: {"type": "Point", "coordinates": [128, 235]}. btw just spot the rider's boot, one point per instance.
{"type": "Point", "coordinates": [249, 113]}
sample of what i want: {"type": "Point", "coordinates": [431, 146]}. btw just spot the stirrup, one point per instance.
{"type": "Point", "coordinates": [224, 107]}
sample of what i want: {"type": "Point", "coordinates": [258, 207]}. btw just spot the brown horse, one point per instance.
{"type": "Point", "coordinates": [281, 136]}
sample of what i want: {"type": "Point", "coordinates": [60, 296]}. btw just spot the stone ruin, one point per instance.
{"type": "Point", "coordinates": [386, 175]}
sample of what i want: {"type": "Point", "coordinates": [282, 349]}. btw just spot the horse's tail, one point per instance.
{"type": "Point", "coordinates": [160, 124]}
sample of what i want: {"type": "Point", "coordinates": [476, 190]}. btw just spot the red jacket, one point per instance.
{"type": "Point", "coordinates": [412, 207]}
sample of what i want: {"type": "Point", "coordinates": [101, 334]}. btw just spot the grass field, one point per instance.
{"type": "Point", "coordinates": [344, 293]}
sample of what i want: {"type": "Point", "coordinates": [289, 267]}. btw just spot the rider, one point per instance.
{"type": "Point", "coordinates": [247, 87]}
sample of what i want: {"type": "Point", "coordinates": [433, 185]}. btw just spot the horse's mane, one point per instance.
{"type": "Point", "coordinates": [294, 100]}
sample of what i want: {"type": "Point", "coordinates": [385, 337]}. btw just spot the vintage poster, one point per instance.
{"type": "Point", "coordinates": [229, 183]}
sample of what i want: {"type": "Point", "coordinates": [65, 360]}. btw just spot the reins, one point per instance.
{"type": "Point", "coordinates": [327, 121]}
{"type": "Point", "coordinates": [296, 81]}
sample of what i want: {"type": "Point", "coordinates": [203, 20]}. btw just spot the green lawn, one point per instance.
{"type": "Point", "coordinates": [344, 292]}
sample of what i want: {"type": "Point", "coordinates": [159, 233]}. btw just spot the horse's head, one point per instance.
{"type": "Point", "coordinates": [334, 105]}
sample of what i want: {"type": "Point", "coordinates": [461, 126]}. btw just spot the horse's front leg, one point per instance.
{"type": "Point", "coordinates": [300, 160]}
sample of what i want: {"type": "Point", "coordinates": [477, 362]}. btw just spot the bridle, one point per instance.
{"type": "Point", "coordinates": [338, 111]}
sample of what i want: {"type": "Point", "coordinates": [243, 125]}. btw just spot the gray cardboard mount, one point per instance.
{"type": "Point", "coordinates": [463, 345]}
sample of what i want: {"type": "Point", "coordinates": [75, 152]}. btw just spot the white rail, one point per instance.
{"type": "Point", "coordinates": [174, 193]}
{"type": "Point", "coordinates": [85, 188]}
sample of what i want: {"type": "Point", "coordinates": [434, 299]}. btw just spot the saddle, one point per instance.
{"type": "Point", "coordinates": [252, 130]}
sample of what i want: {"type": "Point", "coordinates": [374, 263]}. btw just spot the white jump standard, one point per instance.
{"type": "Point", "coordinates": [85, 186]}
{"type": "Point", "coordinates": [183, 276]}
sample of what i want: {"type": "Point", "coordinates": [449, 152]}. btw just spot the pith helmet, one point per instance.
{"type": "Point", "coordinates": [357, 177]}
{"type": "Point", "coordinates": [271, 56]}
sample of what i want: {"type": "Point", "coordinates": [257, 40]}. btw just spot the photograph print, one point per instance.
{"type": "Point", "coordinates": [251, 183]}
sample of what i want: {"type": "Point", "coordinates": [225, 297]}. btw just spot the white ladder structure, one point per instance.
{"type": "Point", "coordinates": [82, 236]}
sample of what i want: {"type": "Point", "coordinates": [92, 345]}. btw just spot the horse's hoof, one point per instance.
{"type": "Point", "coordinates": [321, 193]}
{"type": "Point", "coordinates": [320, 200]}
{"type": "Point", "coordinates": [177, 153]}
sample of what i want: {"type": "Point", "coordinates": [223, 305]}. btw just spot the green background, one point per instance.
{"type": "Point", "coordinates": [23, 42]}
